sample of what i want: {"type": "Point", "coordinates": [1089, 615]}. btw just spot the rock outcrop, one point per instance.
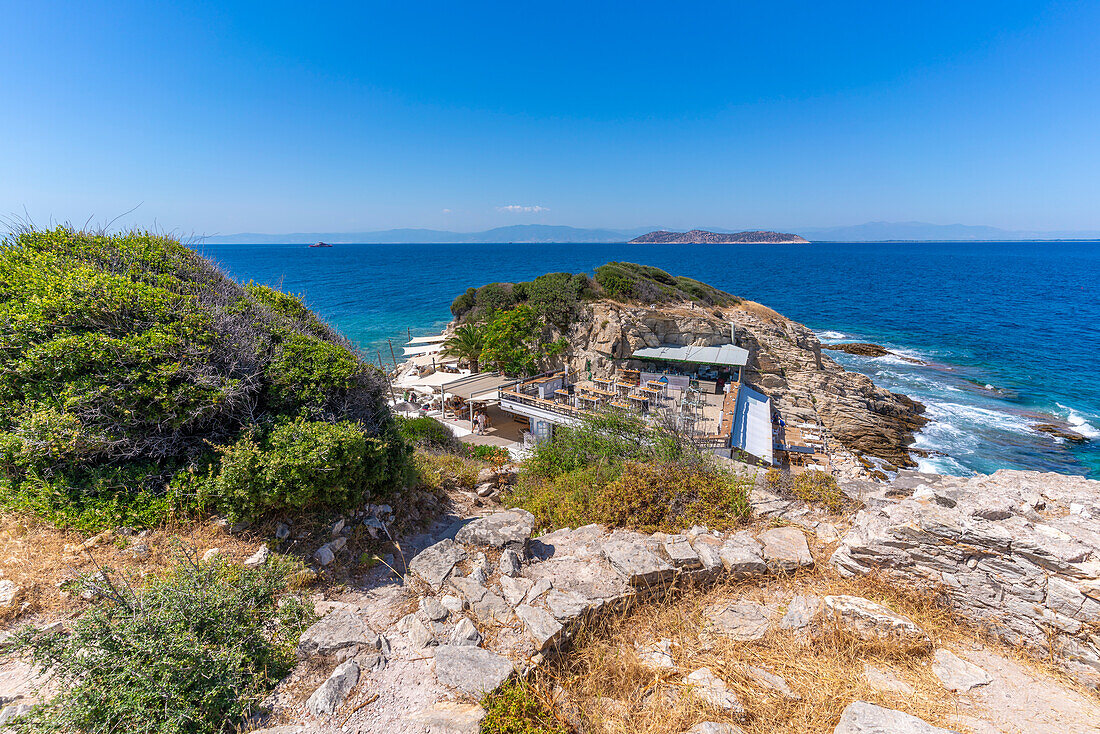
{"type": "Point", "coordinates": [785, 363]}
{"type": "Point", "coordinates": [1017, 551]}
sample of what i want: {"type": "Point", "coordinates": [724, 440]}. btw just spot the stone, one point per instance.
{"type": "Point", "coordinates": [338, 527]}
{"type": "Point", "coordinates": [539, 588]}
{"type": "Point", "coordinates": [465, 633]}
{"type": "Point", "coordinates": [13, 712]}
{"type": "Point", "coordinates": [488, 475]}
{"type": "Point", "coordinates": [566, 605]}
{"type": "Point", "coordinates": [486, 606]}
{"type": "Point", "coordinates": [324, 555]}
{"type": "Point", "coordinates": [713, 691]}
{"type": "Point", "coordinates": [956, 674]}
{"type": "Point", "coordinates": [508, 529]}
{"type": "Point", "coordinates": [258, 558]}
{"type": "Point", "coordinates": [803, 611]}
{"type": "Point", "coordinates": [333, 691]}
{"type": "Point", "coordinates": [541, 625]}
{"type": "Point", "coordinates": [745, 621]}
{"type": "Point", "coordinates": [282, 531]}
{"type": "Point", "coordinates": [450, 717]}
{"type": "Point", "coordinates": [433, 609]}
{"type": "Point", "coordinates": [785, 549]}
{"type": "Point", "coordinates": [742, 556]}
{"type": "Point", "coordinates": [708, 548]}
{"type": "Point", "coordinates": [9, 593]}
{"type": "Point", "coordinates": [873, 622]}
{"type": "Point", "coordinates": [484, 490]}
{"type": "Point", "coordinates": [337, 544]}
{"type": "Point", "coordinates": [680, 553]}
{"type": "Point", "coordinates": [861, 717]}
{"type": "Point", "coordinates": [510, 563]}
{"type": "Point", "coordinates": [340, 628]}
{"type": "Point", "coordinates": [210, 554]}
{"type": "Point", "coordinates": [771, 681]}
{"type": "Point", "coordinates": [657, 654]}
{"type": "Point", "coordinates": [884, 681]}
{"type": "Point", "coordinates": [139, 551]}
{"type": "Point", "coordinates": [419, 634]}
{"type": "Point", "coordinates": [452, 603]}
{"type": "Point", "coordinates": [471, 670]}
{"type": "Point", "coordinates": [714, 727]}
{"type": "Point", "coordinates": [434, 564]}
{"type": "Point", "coordinates": [639, 565]}
{"type": "Point", "coordinates": [515, 589]}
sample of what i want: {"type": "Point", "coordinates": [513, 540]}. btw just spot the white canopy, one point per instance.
{"type": "Point", "coordinates": [726, 354]}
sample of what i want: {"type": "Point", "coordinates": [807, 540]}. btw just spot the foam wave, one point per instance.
{"type": "Point", "coordinates": [1079, 423]}
{"type": "Point", "coordinates": [979, 417]}
{"type": "Point", "coordinates": [831, 335]}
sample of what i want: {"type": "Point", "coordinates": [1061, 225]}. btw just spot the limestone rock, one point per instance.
{"type": "Point", "coordinates": [714, 727]}
{"type": "Point", "coordinates": [282, 531]}
{"type": "Point", "coordinates": [956, 674]}
{"type": "Point", "coordinates": [340, 628]}
{"type": "Point", "coordinates": [508, 529]}
{"type": "Point", "coordinates": [1030, 578]}
{"type": "Point", "coordinates": [746, 621]}
{"type": "Point", "coordinates": [450, 717]}
{"type": "Point", "coordinates": [742, 556]}
{"type": "Point", "coordinates": [680, 553]}
{"type": "Point", "coordinates": [785, 549]}
{"type": "Point", "coordinates": [258, 558]}
{"type": "Point", "coordinates": [9, 593]}
{"type": "Point", "coordinates": [885, 681]}
{"type": "Point", "coordinates": [433, 564]}
{"type": "Point", "coordinates": [771, 681]}
{"type": "Point", "coordinates": [419, 634]}
{"type": "Point", "coordinates": [13, 712]}
{"type": "Point", "coordinates": [803, 611]}
{"type": "Point", "coordinates": [471, 670]}
{"type": "Point", "coordinates": [515, 589]}
{"type": "Point", "coordinates": [324, 555]}
{"type": "Point", "coordinates": [541, 625]}
{"type": "Point", "coordinates": [861, 717]}
{"type": "Point", "coordinates": [566, 605]}
{"type": "Point", "coordinates": [485, 605]}
{"type": "Point", "coordinates": [871, 621]}
{"type": "Point", "coordinates": [465, 633]}
{"type": "Point", "coordinates": [210, 554]}
{"type": "Point", "coordinates": [657, 654]}
{"type": "Point", "coordinates": [333, 691]}
{"type": "Point", "coordinates": [640, 565]}
{"type": "Point", "coordinates": [510, 563]}
{"type": "Point", "coordinates": [433, 609]}
{"type": "Point", "coordinates": [713, 691]}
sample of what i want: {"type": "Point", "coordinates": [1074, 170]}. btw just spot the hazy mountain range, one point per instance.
{"type": "Point", "coordinates": [536, 233]}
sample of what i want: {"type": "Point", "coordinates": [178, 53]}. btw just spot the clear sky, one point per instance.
{"type": "Point", "coordinates": [222, 117]}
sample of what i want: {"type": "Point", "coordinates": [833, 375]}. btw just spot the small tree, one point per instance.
{"type": "Point", "coordinates": [514, 342]}
{"type": "Point", "coordinates": [466, 344]}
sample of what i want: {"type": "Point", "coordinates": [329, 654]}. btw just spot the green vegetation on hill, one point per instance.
{"type": "Point", "coordinates": [652, 285]}
{"type": "Point", "coordinates": [138, 381]}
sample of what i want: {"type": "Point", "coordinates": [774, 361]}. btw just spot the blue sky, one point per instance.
{"type": "Point", "coordinates": [228, 116]}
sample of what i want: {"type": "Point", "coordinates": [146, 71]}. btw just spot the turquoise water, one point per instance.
{"type": "Point", "coordinates": [1010, 331]}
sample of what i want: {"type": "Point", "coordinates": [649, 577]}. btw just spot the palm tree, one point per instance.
{"type": "Point", "coordinates": [466, 344]}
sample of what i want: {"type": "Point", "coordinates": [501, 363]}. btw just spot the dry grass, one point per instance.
{"type": "Point", "coordinates": [609, 689]}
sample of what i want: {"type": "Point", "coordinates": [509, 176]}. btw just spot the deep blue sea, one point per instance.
{"type": "Point", "coordinates": [1010, 331]}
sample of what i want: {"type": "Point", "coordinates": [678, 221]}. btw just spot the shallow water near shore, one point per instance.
{"type": "Point", "coordinates": [1009, 332]}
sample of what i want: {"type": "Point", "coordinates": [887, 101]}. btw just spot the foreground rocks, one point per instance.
{"type": "Point", "coordinates": [1017, 551]}
{"type": "Point", "coordinates": [861, 717]}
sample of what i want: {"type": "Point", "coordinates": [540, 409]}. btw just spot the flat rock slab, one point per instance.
{"type": "Point", "coordinates": [509, 529]}
{"type": "Point", "coordinates": [593, 579]}
{"type": "Point", "coordinates": [485, 605]}
{"type": "Point", "coordinates": [785, 549]}
{"type": "Point", "coordinates": [471, 670]}
{"type": "Point", "coordinates": [861, 717]}
{"type": "Point", "coordinates": [451, 717]}
{"type": "Point", "coordinates": [335, 631]}
{"type": "Point", "coordinates": [333, 691]}
{"type": "Point", "coordinates": [742, 556]}
{"type": "Point", "coordinates": [714, 727]}
{"type": "Point", "coordinates": [771, 681]}
{"type": "Point", "coordinates": [744, 620]}
{"type": "Point", "coordinates": [884, 681]}
{"type": "Point", "coordinates": [435, 563]}
{"type": "Point", "coordinates": [870, 621]}
{"type": "Point", "coordinates": [541, 625]}
{"type": "Point", "coordinates": [638, 564]}
{"type": "Point", "coordinates": [713, 691]}
{"type": "Point", "coordinates": [957, 674]}
{"type": "Point", "coordinates": [803, 611]}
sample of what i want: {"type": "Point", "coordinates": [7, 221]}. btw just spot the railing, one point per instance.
{"type": "Point", "coordinates": [518, 397]}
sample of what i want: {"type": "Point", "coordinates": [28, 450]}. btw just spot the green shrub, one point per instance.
{"type": "Point", "coordinates": [464, 303]}
{"type": "Point", "coordinates": [516, 344]}
{"type": "Point", "coordinates": [497, 455]}
{"type": "Point", "coordinates": [817, 487]}
{"type": "Point", "coordinates": [517, 707]}
{"type": "Point", "coordinates": [605, 439]}
{"type": "Point", "coordinates": [192, 653]}
{"type": "Point", "coordinates": [557, 296]}
{"type": "Point", "coordinates": [567, 500]}
{"type": "Point", "coordinates": [628, 281]}
{"type": "Point", "coordinates": [671, 497]}
{"type": "Point", "coordinates": [302, 464]}
{"type": "Point", "coordinates": [494, 297]}
{"type": "Point", "coordinates": [427, 432]}
{"type": "Point", "coordinates": [126, 360]}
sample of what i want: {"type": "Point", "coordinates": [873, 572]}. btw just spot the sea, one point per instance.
{"type": "Point", "coordinates": [1005, 335]}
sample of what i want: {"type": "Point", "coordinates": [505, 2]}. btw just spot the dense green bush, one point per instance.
{"type": "Point", "coordinates": [617, 469]}
{"type": "Point", "coordinates": [427, 432]}
{"type": "Point", "coordinates": [192, 653]}
{"type": "Point", "coordinates": [518, 707]}
{"type": "Point", "coordinates": [628, 281]}
{"type": "Point", "coordinates": [127, 360]}
{"type": "Point", "coordinates": [516, 342]}
{"type": "Point", "coordinates": [557, 296]}
{"type": "Point", "coordinates": [462, 304]}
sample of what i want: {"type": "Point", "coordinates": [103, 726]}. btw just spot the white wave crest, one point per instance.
{"type": "Point", "coordinates": [1079, 423]}
{"type": "Point", "coordinates": [831, 335]}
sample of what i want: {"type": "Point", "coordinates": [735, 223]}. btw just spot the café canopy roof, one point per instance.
{"type": "Point", "coordinates": [729, 355]}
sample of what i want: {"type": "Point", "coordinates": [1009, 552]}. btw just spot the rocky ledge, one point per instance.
{"type": "Point", "coordinates": [1016, 551]}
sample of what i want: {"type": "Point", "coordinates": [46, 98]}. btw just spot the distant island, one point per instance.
{"type": "Point", "coordinates": [703, 237]}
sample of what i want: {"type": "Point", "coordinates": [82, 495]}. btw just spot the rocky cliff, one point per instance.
{"type": "Point", "coordinates": [785, 363]}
